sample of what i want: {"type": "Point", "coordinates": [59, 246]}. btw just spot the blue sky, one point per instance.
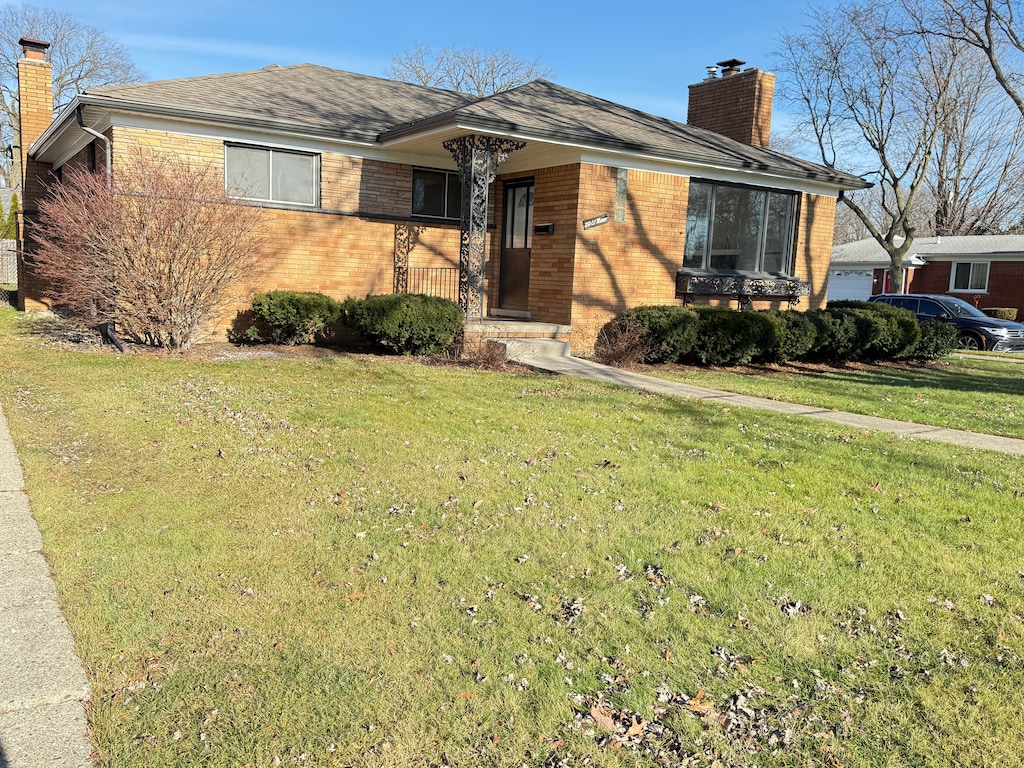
{"type": "Point", "coordinates": [642, 54]}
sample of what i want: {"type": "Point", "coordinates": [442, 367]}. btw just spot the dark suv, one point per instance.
{"type": "Point", "coordinates": [975, 329]}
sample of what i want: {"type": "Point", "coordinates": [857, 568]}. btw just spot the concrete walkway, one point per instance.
{"type": "Point", "coordinates": [553, 357]}
{"type": "Point", "coordinates": [42, 685]}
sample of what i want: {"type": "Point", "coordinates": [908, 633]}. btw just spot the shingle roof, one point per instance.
{"type": "Point", "coordinates": [322, 100]}
{"type": "Point", "coordinates": [551, 111]}
{"type": "Point", "coordinates": [868, 250]}
{"type": "Point", "coordinates": [334, 103]}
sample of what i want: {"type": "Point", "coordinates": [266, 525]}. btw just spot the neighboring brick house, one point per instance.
{"type": "Point", "coordinates": [984, 270]}
{"type": "Point", "coordinates": [541, 205]}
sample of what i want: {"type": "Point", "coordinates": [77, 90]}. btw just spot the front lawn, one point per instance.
{"type": "Point", "coordinates": [353, 561]}
{"type": "Point", "coordinates": [979, 395]}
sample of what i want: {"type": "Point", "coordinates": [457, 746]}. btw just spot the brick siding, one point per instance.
{"type": "Point", "coordinates": [1005, 284]}
{"type": "Point", "coordinates": [36, 107]}
{"type": "Point", "coordinates": [738, 106]}
{"type": "Point", "coordinates": [815, 225]}
{"type": "Point", "coordinates": [623, 264]}
{"type": "Point", "coordinates": [579, 278]}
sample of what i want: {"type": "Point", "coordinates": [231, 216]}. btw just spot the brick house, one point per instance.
{"type": "Point", "coordinates": [542, 210]}
{"type": "Point", "coordinates": [984, 270]}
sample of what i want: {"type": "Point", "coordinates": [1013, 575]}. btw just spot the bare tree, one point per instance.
{"type": "Point", "coordinates": [82, 57]}
{"type": "Point", "coordinates": [992, 27]}
{"type": "Point", "coordinates": [975, 181]}
{"type": "Point", "coordinates": [466, 70]}
{"type": "Point", "coordinates": [874, 101]}
{"type": "Point", "coordinates": [160, 253]}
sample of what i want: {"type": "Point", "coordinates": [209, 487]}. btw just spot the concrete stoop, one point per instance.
{"type": "Point", "coordinates": [525, 350]}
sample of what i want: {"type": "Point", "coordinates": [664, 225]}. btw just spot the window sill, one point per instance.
{"type": "Point", "coordinates": [745, 286]}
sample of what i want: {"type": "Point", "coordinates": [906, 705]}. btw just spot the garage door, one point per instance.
{"type": "Point", "coordinates": [849, 284]}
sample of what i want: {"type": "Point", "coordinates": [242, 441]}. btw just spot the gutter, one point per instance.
{"type": "Point", "coordinates": [98, 135]}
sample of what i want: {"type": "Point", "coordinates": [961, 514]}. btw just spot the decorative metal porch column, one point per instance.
{"type": "Point", "coordinates": [478, 158]}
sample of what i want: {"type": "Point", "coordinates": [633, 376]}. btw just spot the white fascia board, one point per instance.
{"type": "Point", "coordinates": [753, 177]}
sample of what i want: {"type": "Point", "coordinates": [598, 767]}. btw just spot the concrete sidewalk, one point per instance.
{"type": "Point", "coordinates": [553, 357]}
{"type": "Point", "coordinates": [42, 684]}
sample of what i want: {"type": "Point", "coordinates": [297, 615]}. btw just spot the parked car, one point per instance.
{"type": "Point", "coordinates": [975, 329]}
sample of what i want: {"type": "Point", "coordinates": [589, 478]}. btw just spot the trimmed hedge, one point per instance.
{"type": "Point", "coordinates": [890, 332]}
{"type": "Point", "coordinates": [795, 336]}
{"type": "Point", "coordinates": [728, 337]}
{"type": "Point", "coordinates": [669, 332]}
{"type": "Point", "coordinates": [1003, 313]}
{"type": "Point", "coordinates": [291, 317]}
{"type": "Point", "coordinates": [937, 340]}
{"type": "Point", "coordinates": [846, 331]}
{"type": "Point", "coordinates": [836, 336]}
{"type": "Point", "coordinates": [410, 324]}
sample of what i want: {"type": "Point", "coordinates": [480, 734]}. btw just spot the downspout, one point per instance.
{"type": "Point", "coordinates": [98, 135]}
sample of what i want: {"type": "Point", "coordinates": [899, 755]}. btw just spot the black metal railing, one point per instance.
{"type": "Point", "coordinates": [435, 281]}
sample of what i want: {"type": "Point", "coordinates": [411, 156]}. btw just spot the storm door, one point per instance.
{"type": "Point", "coordinates": [516, 241]}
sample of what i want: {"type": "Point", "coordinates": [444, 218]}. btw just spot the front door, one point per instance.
{"type": "Point", "coordinates": [517, 238]}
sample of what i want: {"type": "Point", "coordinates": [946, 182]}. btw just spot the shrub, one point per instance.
{"type": "Point", "coordinates": [291, 317]}
{"type": "Point", "coordinates": [881, 332]}
{"type": "Point", "coordinates": [160, 252]}
{"type": "Point", "coordinates": [794, 336]}
{"type": "Point", "coordinates": [410, 324]}
{"type": "Point", "coordinates": [668, 332]}
{"type": "Point", "coordinates": [937, 340]}
{"type": "Point", "coordinates": [835, 336]}
{"type": "Point", "coordinates": [728, 337]}
{"type": "Point", "coordinates": [9, 222]}
{"type": "Point", "coordinates": [622, 342]}
{"type": "Point", "coordinates": [894, 331]}
{"type": "Point", "coordinates": [1003, 313]}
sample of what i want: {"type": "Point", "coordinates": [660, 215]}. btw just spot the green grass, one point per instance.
{"type": "Point", "coordinates": [978, 395]}
{"type": "Point", "coordinates": [376, 563]}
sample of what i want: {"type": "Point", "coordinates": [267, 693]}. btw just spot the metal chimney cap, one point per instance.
{"type": "Point", "coordinates": [31, 44]}
{"type": "Point", "coordinates": [731, 67]}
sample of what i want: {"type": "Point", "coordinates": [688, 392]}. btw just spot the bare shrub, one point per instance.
{"type": "Point", "coordinates": [158, 253]}
{"type": "Point", "coordinates": [622, 342]}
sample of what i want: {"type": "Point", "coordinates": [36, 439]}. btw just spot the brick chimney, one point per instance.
{"type": "Point", "coordinates": [738, 104]}
{"type": "Point", "coordinates": [35, 100]}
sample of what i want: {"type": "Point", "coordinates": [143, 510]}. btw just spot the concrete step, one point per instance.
{"type": "Point", "coordinates": [526, 350]}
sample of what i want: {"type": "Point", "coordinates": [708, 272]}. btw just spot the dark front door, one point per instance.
{"type": "Point", "coordinates": [517, 238]}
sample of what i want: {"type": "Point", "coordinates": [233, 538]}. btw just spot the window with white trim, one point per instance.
{"type": "Point", "coordinates": [969, 276]}
{"type": "Point", "coordinates": [436, 193]}
{"type": "Point", "coordinates": [272, 175]}
{"type": "Point", "coordinates": [739, 229]}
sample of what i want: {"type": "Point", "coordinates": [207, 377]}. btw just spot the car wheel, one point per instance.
{"type": "Point", "coordinates": [969, 341]}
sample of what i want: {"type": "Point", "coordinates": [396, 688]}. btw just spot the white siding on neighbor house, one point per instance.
{"type": "Point", "coordinates": [849, 284]}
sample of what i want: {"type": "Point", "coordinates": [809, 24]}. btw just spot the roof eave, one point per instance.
{"type": "Point", "coordinates": [191, 115]}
